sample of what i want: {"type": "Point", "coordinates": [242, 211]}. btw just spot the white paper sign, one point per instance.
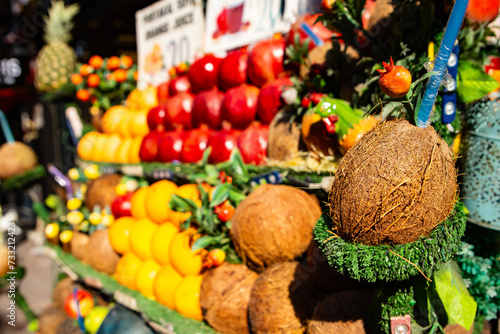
{"type": "Point", "coordinates": [168, 32]}
{"type": "Point", "coordinates": [234, 23]}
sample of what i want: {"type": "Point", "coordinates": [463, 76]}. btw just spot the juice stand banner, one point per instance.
{"type": "Point", "coordinates": [234, 23]}
{"type": "Point", "coordinates": [168, 32]}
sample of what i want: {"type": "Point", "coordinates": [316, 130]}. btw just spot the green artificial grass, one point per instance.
{"type": "Point", "coordinates": [380, 263]}
{"type": "Point", "coordinates": [150, 309]}
{"type": "Point", "coordinates": [19, 181]}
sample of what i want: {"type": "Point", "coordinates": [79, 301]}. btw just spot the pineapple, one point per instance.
{"type": "Point", "coordinates": [56, 60]}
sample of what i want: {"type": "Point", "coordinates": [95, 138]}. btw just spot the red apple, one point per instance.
{"type": "Point", "coordinates": [171, 145]}
{"type": "Point", "coordinates": [207, 109]}
{"type": "Point", "coordinates": [156, 117]}
{"type": "Point", "coordinates": [85, 303]}
{"type": "Point", "coordinates": [239, 106]}
{"type": "Point", "coordinates": [179, 84]}
{"type": "Point", "coordinates": [162, 92]}
{"type": "Point", "coordinates": [233, 69]}
{"type": "Point", "coordinates": [121, 205]}
{"type": "Point", "coordinates": [265, 61]}
{"type": "Point", "coordinates": [178, 111]}
{"type": "Point", "coordinates": [270, 102]}
{"type": "Point", "coordinates": [483, 10]}
{"type": "Point", "coordinates": [195, 143]}
{"type": "Point", "coordinates": [252, 143]}
{"type": "Point", "coordinates": [222, 143]}
{"type": "Point", "coordinates": [203, 73]}
{"type": "Point", "coordinates": [149, 147]}
{"type": "Point", "coordinates": [318, 28]}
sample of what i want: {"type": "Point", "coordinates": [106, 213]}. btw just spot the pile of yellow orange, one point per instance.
{"type": "Point", "coordinates": [123, 129]}
{"type": "Point", "coordinates": [157, 258]}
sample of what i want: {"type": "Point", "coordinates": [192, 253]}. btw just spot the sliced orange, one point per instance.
{"type": "Point", "coordinates": [185, 261]}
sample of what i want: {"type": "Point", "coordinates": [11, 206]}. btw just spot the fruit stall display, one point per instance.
{"type": "Point", "coordinates": [236, 197]}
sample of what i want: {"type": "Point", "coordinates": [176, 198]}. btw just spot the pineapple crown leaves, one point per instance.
{"type": "Point", "coordinates": [58, 23]}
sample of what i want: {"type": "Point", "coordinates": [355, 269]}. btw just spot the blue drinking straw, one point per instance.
{"type": "Point", "coordinates": [6, 128]}
{"type": "Point", "coordinates": [308, 30]}
{"type": "Point", "coordinates": [442, 57]}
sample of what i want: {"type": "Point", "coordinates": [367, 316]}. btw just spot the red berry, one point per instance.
{"type": "Point", "coordinates": [305, 102]}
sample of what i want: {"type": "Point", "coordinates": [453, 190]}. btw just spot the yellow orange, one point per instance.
{"type": "Point", "coordinates": [98, 150]}
{"type": "Point", "coordinates": [142, 98]}
{"type": "Point", "coordinates": [86, 145]}
{"type": "Point", "coordinates": [138, 202]}
{"type": "Point", "coordinates": [191, 192]}
{"type": "Point", "coordinates": [187, 297]}
{"type": "Point", "coordinates": [182, 258]}
{"type": "Point", "coordinates": [121, 155]}
{"type": "Point", "coordinates": [112, 144]}
{"type": "Point", "coordinates": [157, 198]}
{"type": "Point", "coordinates": [160, 244]}
{"type": "Point", "coordinates": [141, 234]}
{"type": "Point", "coordinates": [133, 153]}
{"type": "Point", "coordinates": [112, 117]}
{"type": "Point", "coordinates": [146, 276]}
{"type": "Point", "coordinates": [139, 123]}
{"type": "Point", "coordinates": [124, 125]}
{"type": "Point", "coordinates": [166, 282]}
{"type": "Point", "coordinates": [126, 270]}
{"type": "Point", "coordinates": [119, 234]}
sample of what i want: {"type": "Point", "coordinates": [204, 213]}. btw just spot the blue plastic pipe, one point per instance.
{"type": "Point", "coordinates": [6, 128]}
{"type": "Point", "coordinates": [442, 57]}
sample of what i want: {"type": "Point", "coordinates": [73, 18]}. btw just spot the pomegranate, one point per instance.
{"type": "Point", "coordinates": [252, 143]}
{"type": "Point", "coordinates": [156, 117]}
{"type": "Point", "coordinates": [170, 147]}
{"type": "Point", "coordinates": [195, 143]}
{"type": "Point", "coordinates": [179, 84]}
{"type": "Point", "coordinates": [178, 111]}
{"type": "Point", "coordinates": [317, 27]}
{"type": "Point", "coordinates": [239, 106]}
{"type": "Point", "coordinates": [207, 109]}
{"type": "Point", "coordinates": [394, 81]}
{"type": "Point", "coordinates": [149, 147]}
{"type": "Point", "coordinates": [203, 73]}
{"type": "Point", "coordinates": [162, 92]}
{"type": "Point", "coordinates": [483, 10]}
{"type": "Point", "coordinates": [233, 69]}
{"type": "Point", "coordinates": [222, 143]}
{"type": "Point", "coordinates": [265, 60]}
{"type": "Point", "coordinates": [270, 102]}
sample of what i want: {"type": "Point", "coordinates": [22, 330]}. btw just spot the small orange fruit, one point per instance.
{"type": "Point", "coordinates": [86, 145]}
{"type": "Point", "coordinates": [112, 117]}
{"type": "Point", "coordinates": [166, 282]}
{"type": "Point", "coordinates": [93, 80]}
{"type": "Point", "coordinates": [146, 276]}
{"type": "Point", "coordinates": [83, 95]}
{"type": "Point", "coordinates": [160, 244]}
{"type": "Point", "coordinates": [139, 123]}
{"type": "Point", "coordinates": [157, 198]}
{"type": "Point", "coordinates": [124, 125]}
{"type": "Point", "coordinates": [185, 261]}
{"type": "Point", "coordinates": [112, 144]}
{"type": "Point", "coordinates": [187, 297]}
{"type": "Point", "coordinates": [86, 70]}
{"type": "Point", "coordinates": [138, 202]}
{"type": "Point", "coordinates": [121, 155]}
{"type": "Point", "coordinates": [96, 61]}
{"type": "Point", "coordinates": [141, 234]}
{"type": "Point", "coordinates": [217, 257]}
{"type": "Point", "coordinates": [126, 270]}
{"type": "Point", "coordinates": [119, 234]}
{"type": "Point", "coordinates": [76, 79]}
{"type": "Point", "coordinates": [98, 150]}
{"type": "Point", "coordinates": [120, 75]}
{"type": "Point", "coordinates": [126, 61]}
{"type": "Point", "coordinates": [113, 63]}
{"type": "Point", "coordinates": [394, 81]}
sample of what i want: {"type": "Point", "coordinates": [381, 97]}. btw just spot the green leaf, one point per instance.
{"type": "Point", "coordinates": [212, 171]}
{"type": "Point", "coordinates": [181, 204]}
{"type": "Point", "coordinates": [238, 166]}
{"type": "Point", "coordinates": [219, 194]}
{"type": "Point", "coordinates": [458, 303]}
{"type": "Point", "coordinates": [202, 242]}
{"type": "Point", "coordinates": [389, 108]}
{"type": "Point", "coordinates": [422, 78]}
{"type": "Point", "coordinates": [206, 154]}
{"type": "Point", "coordinates": [473, 83]}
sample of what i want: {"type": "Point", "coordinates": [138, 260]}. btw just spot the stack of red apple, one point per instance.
{"type": "Point", "coordinates": [218, 103]}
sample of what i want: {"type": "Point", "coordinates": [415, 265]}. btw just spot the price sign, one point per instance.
{"type": "Point", "coordinates": [234, 23]}
{"type": "Point", "coordinates": [168, 32]}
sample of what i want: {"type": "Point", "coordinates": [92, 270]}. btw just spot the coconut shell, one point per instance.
{"type": "Point", "coordinates": [397, 183]}
{"type": "Point", "coordinates": [273, 224]}
{"type": "Point", "coordinates": [50, 319]}
{"type": "Point", "coordinates": [224, 297]}
{"type": "Point", "coordinates": [79, 246]}
{"type": "Point", "coordinates": [101, 256]}
{"type": "Point", "coordinates": [101, 191]}
{"type": "Point", "coordinates": [282, 300]}
{"type": "Point", "coordinates": [284, 138]}
{"type": "Point", "coordinates": [341, 312]}
{"type": "Point", "coordinates": [63, 289]}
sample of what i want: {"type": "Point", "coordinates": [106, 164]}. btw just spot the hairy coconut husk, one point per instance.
{"type": "Point", "coordinates": [282, 300]}
{"type": "Point", "coordinates": [394, 185]}
{"type": "Point", "coordinates": [50, 319]}
{"type": "Point", "coordinates": [101, 256]}
{"type": "Point", "coordinates": [224, 297]}
{"type": "Point", "coordinates": [101, 191]}
{"type": "Point", "coordinates": [284, 138]}
{"type": "Point", "coordinates": [79, 246]}
{"type": "Point", "coordinates": [63, 289]}
{"type": "Point", "coordinates": [273, 224]}
{"type": "Point", "coordinates": [341, 312]}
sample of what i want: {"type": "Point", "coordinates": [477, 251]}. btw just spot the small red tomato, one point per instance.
{"type": "Point", "coordinates": [85, 300]}
{"type": "Point", "coordinates": [316, 97]}
{"type": "Point", "coordinates": [483, 10]}
{"type": "Point", "coordinates": [224, 211]}
{"type": "Point", "coordinates": [327, 5]}
{"type": "Point", "coordinates": [305, 102]}
{"type": "Point", "coordinates": [394, 81]}
{"type": "Point", "coordinates": [216, 257]}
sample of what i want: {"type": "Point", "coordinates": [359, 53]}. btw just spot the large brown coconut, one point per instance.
{"type": "Point", "coordinates": [284, 138]}
{"type": "Point", "coordinates": [16, 158]}
{"type": "Point", "coordinates": [101, 191]}
{"type": "Point", "coordinates": [341, 312]}
{"type": "Point", "coordinates": [273, 224]}
{"type": "Point", "coordinates": [282, 300]}
{"type": "Point", "coordinates": [50, 319]}
{"type": "Point", "coordinates": [79, 246]}
{"type": "Point", "coordinates": [396, 184]}
{"type": "Point", "coordinates": [101, 256]}
{"type": "Point", "coordinates": [224, 297]}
